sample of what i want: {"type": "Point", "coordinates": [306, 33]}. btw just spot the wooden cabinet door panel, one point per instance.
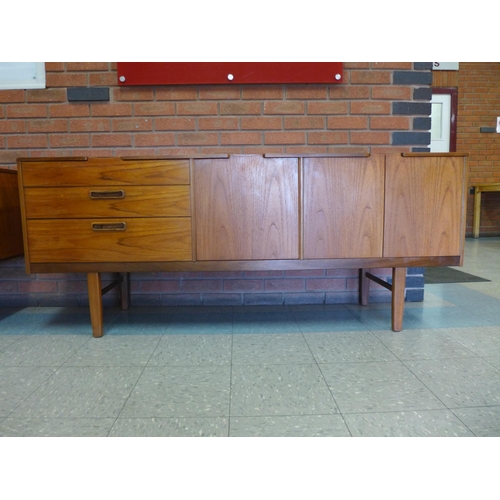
{"type": "Point", "coordinates": [11, 237]}
{"type": "Point", "coordinates": [424, 206]}
{"type": "Point", "coordinates": [343, 207]}
{"type": "Point", "coordinates": [114, 201]}
{"type": "Point", "coordinates": [246, 208]}
{"type": "Point", "coordinates": [91, 240]}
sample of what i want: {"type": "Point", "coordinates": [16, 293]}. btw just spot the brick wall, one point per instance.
{"type": "Point", "coordinates": [478, 106]}
{"type": "Point", "coordinates": [380, 107]}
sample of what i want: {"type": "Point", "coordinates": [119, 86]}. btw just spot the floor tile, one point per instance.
{"type": "Point", "coordinates": [272, 348]}
{"type": "Point", "coordinates": [195, 349]}
{"type": "Point", "coordinates": [180, 391]}
{"type": "Point", "coordinates": [265, 390]}
{"type": "Point", "coordinates": [459, 382]}
{"type": "Point", "coordinates": [171, 427]}
{"type": "Point", "coordinates": [330, 347]}
{"type": "Point", "coordinates": [115, 350]}
{"type": "Point", "coordinates": [431, 423]}
{"type": "Point", "coordinates": [81, 392]}
{"type": "Point", "coordinates": [377, 387]}
{"type": "Point", "coordinates": [422, 344]}
{"type": "Point", "coordinates": [265, 321]}
{"type": "Point", "coordinates": [335, 320]}
{"type": "Point", "coordinates": [138, 322]}
{"type": "Point", "coordinates": [483, 421]}
{"type": "Point", "coordinates": [294, 426]}
{"type": "Point", "coordinates": [18, 383]}
{"type": "Point", "coordinates": [483, 341]}
{"type": "Point", "coordinates": [41, 350]}
{"type": "Point", "coordinates": [200, 323]}
{"type": "Point", "coordinates": [56, 427]}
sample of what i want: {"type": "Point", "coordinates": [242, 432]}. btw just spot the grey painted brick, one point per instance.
{"type": "Point", "coordinates": [421, 123]}
{"type": "Point", "coordinates": [415, 295]}
{"type": "Point", "coordinates": [412, 77]}
{"type": "Point", "coordinates": [411, 108]}
{"type": "Point", "coordinates": [420, 150]}
{"type": "Point", "coordinates": [423, 65]}
{"type": "Point", "coordinates": [422, 94]}
{"type": "Point", "coordinates": [87, 94]}
{"type": "Point", "coordinates": [409, 138]}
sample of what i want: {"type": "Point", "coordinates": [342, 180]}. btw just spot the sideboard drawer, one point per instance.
{"type": "Point", "coordinates": [113, 201]}
{"type": "Point", "coordinates": [104, 172]}
{"type": "Point", "coordinates": [110, 240]}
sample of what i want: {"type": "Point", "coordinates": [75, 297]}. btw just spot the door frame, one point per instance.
{"type": "Point", "coordinates": [453, 92]}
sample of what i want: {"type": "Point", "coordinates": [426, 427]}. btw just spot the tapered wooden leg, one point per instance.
{"type": "Point", "coordinates": [398, 297]}
{"type": "Point", "coordinates": [95, 303]}
{"type": "Point", "coordinates": [477, 213]}
{"type": "Point", "coordinates": [125, 292]}
{"type": "Point", "coordinates": [364, 287]}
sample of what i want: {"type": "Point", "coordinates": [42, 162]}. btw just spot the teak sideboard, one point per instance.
{"type": "Point", "coordinates": [11, 236]}
{"type": "Point", "coordinates": [243, 212]}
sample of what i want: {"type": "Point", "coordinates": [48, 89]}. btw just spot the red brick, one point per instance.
{"type": "Point", "coordinates": [54, 66]}
{"type": "Point", "coordinates": [370, 137]}
{"type": "Point", "coordinates": [196, 108]}
{"type": "Point", "coordinates": [112, 109]}
{"type": "Point", "coordinates": [328, 108]}
{"type": "Point", "coordinates": [26, 141]}
{"type": "Point", "coordinates": [304, 122]}
{"type": "Point", "coordinates": [240, 108]}
{"type": "Point", "coordinates": [102, 79]}
{"type": "Point", "coordinates": [261, 123]}
{"type": "Point", "coordinates": [306, 92]}
{"type": "Point", "coordinates": [66, 80]}
{"type": "Point", "coordinates": [284, 108]}
{"type": "Point", "coordinates": [347, 122]}
{"type": "Point", "coordinates": [370, 108]}
{"type": "Point", "coordinates": [154, 139]}
{"type": "Point", "coordinates": [392, 65]}
{"type": "Point", "coordinates": [111, 140]}
{"type": "Point", "coordinates": [89, 125]}
{"type": "Point", "coordinates": [285, 137]}
{"type": "Point", "coordinates": [69, 110]}
{"type": "Point", "coordinates": [327, 138]}
{"type": "Point", "coordinates": [12, 126]}
{"type": "Point", "coordinates": [133, 94]}
{"type": "Point", "coordinates": [198, 138]}
{"type": "Point", "coordinates": [12, 96]}
{"type": "Point", "coordinates": [176, 93]}
{"type": "Point", "coordinates": [390, 122]}
{"type": "Point", "coordinates": [243, 285]}
{"type": "Point", "coordinates": [26, 111]}
{"type": "Point", "coordinates": [370, 77]}
{"type": "Point", "coordinates": [87, 66]}
{"type": "Point", "coordinates": [201, 285]}
{"type": "Point", "coordinates": [47, 126]}
{"type": "Point", "coordinates": [36, 286]}
{"type": "Point", "coordinates": [132, 124]}
{"type": "Point", "coordinates": [46, 95]}
{"type": "Point", "coordinates": [325, 284]}
{"type": "Point", "coordinates": [356, 65]}
{"type": "Point", "coordinates": [69, 140]}
{"type": "Point", "coordinates": [262, 92]}
{"type": "Point", "coordinates": [163, 286]}
{"type": "Point", "coordinates": [395, 92]}
{"type": "Point", "coordinates": [348, 92]}
{"type": "Point", "coordinates": [209, 123]}
{"type": "Point", "coordinates": [286, 284]}
{"type": "Point", "coordinates": [241, 138]}
{"type": "Point", "coordinates": [175, 123]}
{"type": "Point", "coordinates": [219, 92]}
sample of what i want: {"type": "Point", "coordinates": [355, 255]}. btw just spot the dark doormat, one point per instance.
{"type": "Point", "coordinates": [434, 275]}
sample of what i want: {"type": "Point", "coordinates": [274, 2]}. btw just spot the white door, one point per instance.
{"type": "Point", "coordinates": [440, 123]}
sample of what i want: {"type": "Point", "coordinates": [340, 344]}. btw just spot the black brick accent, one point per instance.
{"type": "Point", "coordinates": [409, 138]}
{"type": "Point", "coordinates": [88, 94]}
{"type": "Point", "coordinates": [421, 123]}
{"type": "Point", "coordinates": [422, 94]}
{"type": "Point", "coordinates": [415, 295]}
{"type": "Point", "coordinates": [420, 150]}
{"type": "Point", "coordinates": [413, 77]}
{"type": "Point", "coordinates": [411, 108]}
{"type": "Point", "coordinates": [423, 65]}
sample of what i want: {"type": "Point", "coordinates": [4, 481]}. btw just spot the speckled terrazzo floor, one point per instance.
{"type": "Point", "coordinates": [261, 371]}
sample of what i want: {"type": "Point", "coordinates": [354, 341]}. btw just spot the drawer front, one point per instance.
{"type": "Point", "coordinates": [104, 172]}
{"type": "Point", "coordinates": [110, 240]}
{"type": "Point", "coordinates": [115, 201]}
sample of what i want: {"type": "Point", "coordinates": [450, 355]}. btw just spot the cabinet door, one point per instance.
{"type": "Point", "coordinates": [343, 207]}
{"type": "Point", "coordinates": [246, 208]}
{"type": "Point", "coordinates": [424, 206]}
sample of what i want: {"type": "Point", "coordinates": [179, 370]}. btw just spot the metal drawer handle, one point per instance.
{"type": "Point", "coordinates": [98, 195]}
{"type": "Point", "coordinates": [109, 226]}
